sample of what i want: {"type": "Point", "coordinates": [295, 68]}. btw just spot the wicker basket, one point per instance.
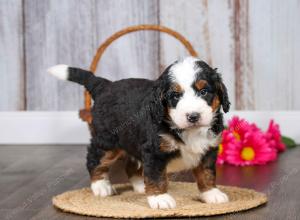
{"type": "Point", "coordinates": [85, 114]}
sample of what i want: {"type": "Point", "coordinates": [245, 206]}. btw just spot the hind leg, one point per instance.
{"type": "Point", "coordinates": [134, 172]}
{"type": "Point", "coordinates": [98, 164]}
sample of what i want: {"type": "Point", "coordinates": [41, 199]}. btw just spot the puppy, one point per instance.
{"type": "Point", "coordinates": [167, 125]}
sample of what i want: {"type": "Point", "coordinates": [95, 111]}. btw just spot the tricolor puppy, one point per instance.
{"type": "Point", "coordinates": [170, 124]}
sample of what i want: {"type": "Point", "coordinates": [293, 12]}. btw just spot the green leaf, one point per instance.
{"type": "Point", "coordinates": [289, 142]}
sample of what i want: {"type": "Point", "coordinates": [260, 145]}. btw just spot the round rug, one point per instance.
{"type": "Point", "coordinates": [128, 204]}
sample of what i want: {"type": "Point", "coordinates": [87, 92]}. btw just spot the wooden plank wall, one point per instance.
{"type": "Point", "coordinates": [207, 24]}
{"type": "Point", "coordinates": [275, 46]}
{"type": "Point", "coordinates": [11, 56]}
{"type": "Point", "coordinates": [70, 32]}
{"type": "Point", "coordinates": [55, 32]}
{"type": "Point", "coordinates": [254, 44]}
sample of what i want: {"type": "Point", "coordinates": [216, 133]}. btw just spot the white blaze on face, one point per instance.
{"type": "Point", "coordinates": [184, 73]}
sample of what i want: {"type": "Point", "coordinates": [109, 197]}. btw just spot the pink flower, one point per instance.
{"type": "Point", "coordinates": [273, 136]}
{"type": "Point", "coordinates": [240, 127]}
{"type": "Point", "coordinates": [227, 139]}
{"type": "Point", "coordinates": [221, 158]}
{"type": "Point", "coordinates": [244, 143]}
{"type": "Point", "coordinates": [253, 149]}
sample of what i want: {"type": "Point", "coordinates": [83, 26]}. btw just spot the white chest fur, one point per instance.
{"type": "Point", "coordinates": [196, 143]}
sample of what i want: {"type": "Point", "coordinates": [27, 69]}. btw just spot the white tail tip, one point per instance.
{"type": "Point", "coordinates": [60, 71]}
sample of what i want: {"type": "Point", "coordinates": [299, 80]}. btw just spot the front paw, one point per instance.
{"type": "Point", "coordinates": [138, 184]}
{"type": "Point", "coordinates": [214, 195]}
{"type": "Point", "coordinates": [102, 188]}
{"type": "Point", "coordinates": [161, 201]}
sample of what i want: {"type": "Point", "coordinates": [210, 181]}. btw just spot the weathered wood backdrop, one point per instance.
{"type": "Point", "coordinates": [255, 44]}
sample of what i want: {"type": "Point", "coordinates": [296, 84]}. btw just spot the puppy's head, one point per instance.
{"type": "Point", "coordinates": [193, 92]}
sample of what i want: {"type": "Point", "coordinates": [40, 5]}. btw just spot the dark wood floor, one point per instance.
{"type": "Point", "coordinates": [31, 175]}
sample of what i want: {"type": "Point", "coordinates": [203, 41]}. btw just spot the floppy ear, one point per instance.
{"type": "Point", "coordinates": [223, 95]}
{"type": "Point", "coordinates": [157, 99]}
{"type": "Point", "coordinates": [157, 107]}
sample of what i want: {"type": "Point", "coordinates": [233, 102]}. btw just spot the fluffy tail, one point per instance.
{"type": "Point", "coordinates": [86, 78]}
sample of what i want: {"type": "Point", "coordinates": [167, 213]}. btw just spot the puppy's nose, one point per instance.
{"type": "Point", "coordinates": [193, 117]}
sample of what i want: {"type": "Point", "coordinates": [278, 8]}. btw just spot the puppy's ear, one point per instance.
{"type": "Point", "coordinates": [157, 99]}
{"type": "Point", "coordinates": [157, 107]}
{"type": "Point", "coordinates": [223, 95]}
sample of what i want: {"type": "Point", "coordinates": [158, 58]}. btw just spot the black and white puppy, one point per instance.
{"type": "Point", "coordinates": [171, 124]}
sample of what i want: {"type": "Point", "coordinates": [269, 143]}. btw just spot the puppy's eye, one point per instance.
{"type": "Point", "coordinates": [203, 92]}
{"type": "Point", "coordinates": [175, 95]}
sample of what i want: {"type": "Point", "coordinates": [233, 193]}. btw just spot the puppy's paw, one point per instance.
{"type": "Point", "coordinates": [102, 188]}
{"type": "Point", "coordinates": [138, 184]}
{"type": "Point", "coordinates": [214, 196]}
{"type": "Point", "coordinates": [162, 201]}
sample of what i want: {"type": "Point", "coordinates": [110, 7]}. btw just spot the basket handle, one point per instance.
{"type": "Point", "coordinates": [102, 48]}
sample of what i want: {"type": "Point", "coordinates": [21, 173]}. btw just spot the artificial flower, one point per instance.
{"type": "Point", "coordinates": [227, 139]}
{"type": "Point", "coordinates": [273, 136]}
{"type": "Point", "coordinates": [244, 143]}
{"type": "Point", "coordinates": [240, 127]}
{"type": "Point", "coordinates": [253, 149]}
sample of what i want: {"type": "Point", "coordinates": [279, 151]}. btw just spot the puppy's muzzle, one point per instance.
{"type": "Point", "coordinates": [193, 117]}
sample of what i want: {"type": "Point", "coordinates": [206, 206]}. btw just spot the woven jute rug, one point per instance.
{"type": "Point", "coordinates": [128, 204]}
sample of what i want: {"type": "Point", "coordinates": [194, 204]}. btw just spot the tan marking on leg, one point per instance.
{"type": "Point", "coordinates": [205, 178]}
{"type": "Point", "coordinates": [159, 187]}
{"type": "Point", "coordinates": [110, 157]}
{"type": "Point", "coordinates": [133, 168]}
